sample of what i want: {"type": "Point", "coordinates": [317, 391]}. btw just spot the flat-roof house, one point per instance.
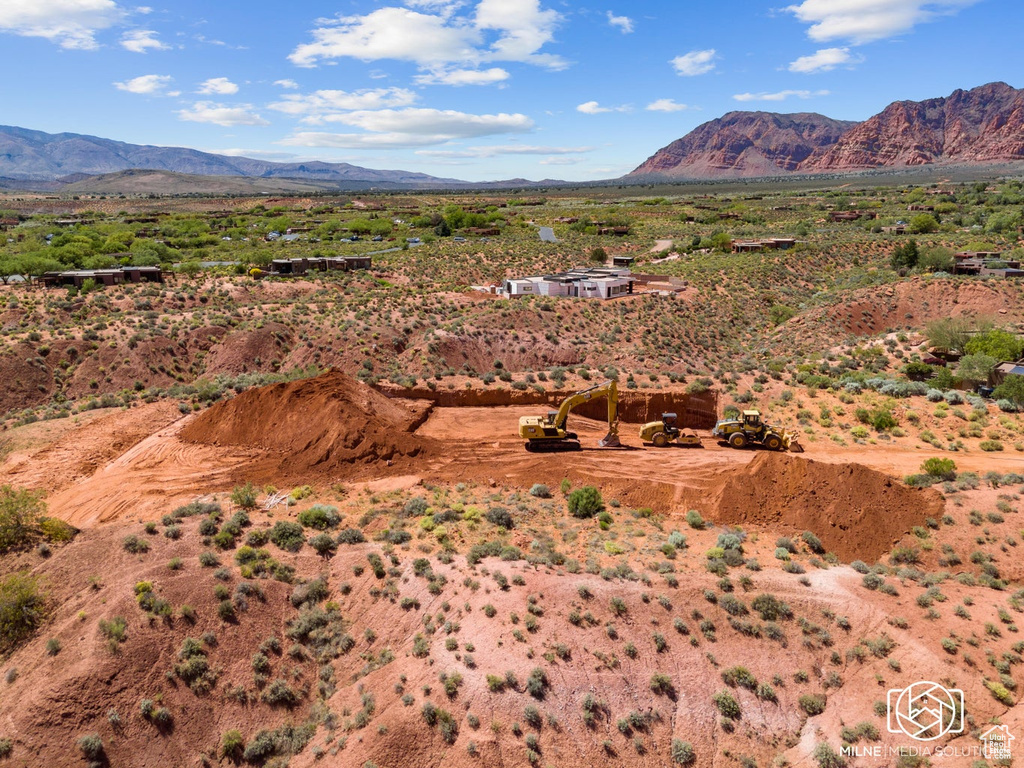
{"type": "Point", "coordinates": [1004, 369]}
{"type": "Point", "coordinates": [592, 283]}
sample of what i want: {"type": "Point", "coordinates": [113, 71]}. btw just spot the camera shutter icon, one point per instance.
{"type": "Point", "coordinates": [926, 711]}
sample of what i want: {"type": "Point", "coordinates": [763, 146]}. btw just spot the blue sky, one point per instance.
{"type": "Point", "coordinates": [479, 89]}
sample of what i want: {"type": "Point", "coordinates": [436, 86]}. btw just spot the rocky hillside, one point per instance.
{"type": "Point", "coordinates": [984, 124]}
{"type": "Point", "coordinates": [979, 125]}
{"type": "Point", "coordinates": [745, 144]}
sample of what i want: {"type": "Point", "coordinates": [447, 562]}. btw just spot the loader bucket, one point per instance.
{"type": "Point", "coordinates": [611, 440]}
{"type": "Point", "coordinates": [792, 444]}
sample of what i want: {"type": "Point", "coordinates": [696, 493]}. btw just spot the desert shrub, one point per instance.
{"type": "Point", "coordinates": [287, 535]}
{"type": "Point", "coordinates": [279, 693]}
{"type": "Point", "coordinates": [727, 705]}
{"type": "Point", "coordinates": [694, 520]}
{"type": "Point", "coordinates": [245, 496]}
{"type": "Point", "coordinates": [323, 544]}
{"type": "Point", "coordinates": [540, 490]}
{"type": "Point", "coordinates": [662, 684]}
{"type": "Point", "coordinates": [21, 511]}
{"type": "Point", "coordinates": [682, 752]}
{"type": "Point", "coordinates": [91, 746]}
{"type": "Point", "coordinates": [321, 517]}
{"type": "Point", "coordinates": [826, 757]}
{"type": "Point", "coordinates": [585, 502]}
{"type": "Point", "coordinates": [351, 536]}
{"type": "Point", "coordinates": [813, 543]}
{"type": "Point", "coordinates": [500, 517]}
{"type": "Point", "coordinates": [812, 704]}
{"type": "Point", "coordinates": [232, 745]}
{"type": "Point", "coordinates": [537, 683]}
{"type": "Point", "coordinates": [22, 604]}
{"type": "Point", "coordinates": [945, 469]}
{"type": "Point", "coordinates": [135, 545]}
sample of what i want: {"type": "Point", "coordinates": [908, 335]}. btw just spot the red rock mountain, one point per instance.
{"type": "Point", "coordinates": [984, 124]}
{"type": "Point", "coordinates": [745, 144]}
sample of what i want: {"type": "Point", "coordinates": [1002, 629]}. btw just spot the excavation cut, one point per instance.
{"type": "Point", "coordinates": [858, 513]}
{"type": "Point", "coordinates": [328, 425]}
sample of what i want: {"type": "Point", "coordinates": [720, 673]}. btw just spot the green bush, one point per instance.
{"type": "Point", "coordinates": [813, 704]}
{"type": "Point", "coordinates": [682, 752]}
{"type": "Point", "coordinates": [287, 535]}
{"type": "Point", "coordinates": [585, 502]}
{"type": "Point", "coordinates": [245, 496]}
{"type": "Point", "coordinates": [232, 745]}
{"type": "Point", "coordinates": [321, 517]}
{"type": "Point", "coordinates": [944, 469]}
{"type": "Point", "coordinates": [21, 511]}
{"type": "Point", "coordinates": [727, 705]}
{"type": "Point", "coordinates": [22, 604]}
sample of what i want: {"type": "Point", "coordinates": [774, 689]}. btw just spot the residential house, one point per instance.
{"type": "Point", "coordinates": [581, 282]}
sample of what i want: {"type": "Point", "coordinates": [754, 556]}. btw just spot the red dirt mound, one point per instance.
{"type": "Point", "coordinates": [858, 513]}
{"type": "Point", "coordinates": [322, 425]}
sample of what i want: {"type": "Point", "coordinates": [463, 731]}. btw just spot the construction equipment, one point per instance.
{"type": "Point", "coordinates": [549, 432]}
{"type": "Point", "coordinates": [750, 430]}
{"type": "Point", "coordinates": [663, 432]}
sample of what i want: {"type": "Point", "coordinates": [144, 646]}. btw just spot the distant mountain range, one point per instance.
{"type": "Point", "coordinates": [982, 125]}
{"type": "Point", "coordinates": [34, 156]}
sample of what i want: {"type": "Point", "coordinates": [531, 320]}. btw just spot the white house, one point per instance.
{"type": "Point", "coordinates": [582, 282]}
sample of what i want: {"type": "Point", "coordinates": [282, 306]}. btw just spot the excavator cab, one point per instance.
{"type": "Point", "coordinates": [752, 420]}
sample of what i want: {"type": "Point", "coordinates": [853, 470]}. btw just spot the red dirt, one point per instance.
{"type": "Point", "coordinates": [858, 513]}
{"type": "Point", "coordinates": [314, 426]}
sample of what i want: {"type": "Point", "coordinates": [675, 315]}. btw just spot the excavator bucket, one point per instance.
{"type": "Point", "coordinates": [611, 440]}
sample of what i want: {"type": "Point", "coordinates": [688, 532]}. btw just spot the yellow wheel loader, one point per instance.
{"type": "Point", "coordinates": [748, 429]}
{"type": "Point", "coordinates": [549, 432]}
{"type": "Point", "coordinates": [665, 432]}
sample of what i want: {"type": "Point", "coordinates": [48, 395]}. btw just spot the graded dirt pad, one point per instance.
{"type": "Point", "coordinates": [857, 512]}
{"type": "Point", "coordinates": [317, 426]}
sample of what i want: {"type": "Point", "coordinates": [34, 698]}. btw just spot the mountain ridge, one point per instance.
{"type": "Point", "coordinates": [977, 126]}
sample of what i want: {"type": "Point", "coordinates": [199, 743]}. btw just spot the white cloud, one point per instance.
{"type": "Point", "coordinates": [325, 105]}
{"type": "Point", "coordinates": [458, 77]}
{"type": "Point", "coordinates": [291, 84]}
{"type": "Point", "coordinates": [824, 60]}
{"type": "Point", "coordinates": [506, 149]}
{"type": "Point", "coordinates": [524, 29]}
{"type": "Point", "coordinates": [141, 40]}
{"type": "Point", "coordinates": [148, 85]}
{"type": "Point", "coordinates": [666, 105]}
{"type": "Point", "coordinates": [778, 95]}
{"type": "Point", "coordinates": [560, 161]}
{"type": "Point", "coordinates": [221, 114]}
{"type": "Point", "coordinates": [219, 86]}
{"type": "Point", "coordinates": [694, 63]}
{"type": "Point", "coordinates": [395, 128]}
{"type": "Point", "coordinates": [68, 23]}
{"type": "Point", "coordinates": [593, 108]}
{"type": "Point", "coordinates": [861, 21]}
{"type": "Point", "coordinates": [624, 23]}
{"type": "Point", "coordinates": [440, 39]}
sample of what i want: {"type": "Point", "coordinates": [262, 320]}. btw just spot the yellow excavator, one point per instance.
{"type": "Point", "coordinates": [549, 432]}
